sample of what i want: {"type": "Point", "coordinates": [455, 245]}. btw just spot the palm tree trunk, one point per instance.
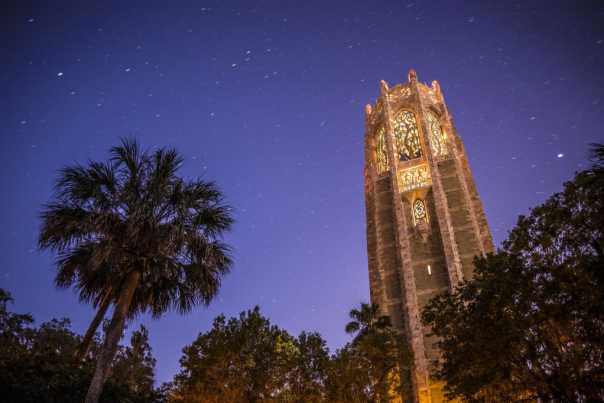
{"type": "Point", "coordinates": [85, 344]}
{"type": "Point", "coordinates": [114, 333]}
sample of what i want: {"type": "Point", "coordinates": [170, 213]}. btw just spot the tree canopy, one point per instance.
{"type": "Point", "coordinates": [530, 324]}
{"type": "Point", "coordinates": [131, 232]}
{"type": "Point", "coordinates": [248, 359]}
{"type": "Point", "coordinates": [37, 364]}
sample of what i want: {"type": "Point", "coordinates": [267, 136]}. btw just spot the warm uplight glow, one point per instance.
{"type": "Point", "coordinates": [414, 178]}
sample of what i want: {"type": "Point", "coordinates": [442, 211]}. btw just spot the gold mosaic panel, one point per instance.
{"type": "Point", "coordinates": [406, 136]}
{"type": "Point", "coordinates": [414, 178]}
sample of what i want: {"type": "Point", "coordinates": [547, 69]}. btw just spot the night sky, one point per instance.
{"type": "Point", "coordinates": [267, 99]}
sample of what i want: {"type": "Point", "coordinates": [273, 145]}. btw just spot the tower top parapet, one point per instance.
{"type": "Point", "coordinates": [406, 94]}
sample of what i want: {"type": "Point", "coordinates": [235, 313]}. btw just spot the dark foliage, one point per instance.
{"type": "Point", "coordinates": [531, 323]}
{"type": "Point", "coordinates": [133, 213]}
{"type": "Point", "coordinates": [246, 359]}
{"type": "Point", "coordinates": [130, 232]}
{"type": "Point", "coordinates": [37, 364]}
{"type": "Point", "coordinates": [370, 368]}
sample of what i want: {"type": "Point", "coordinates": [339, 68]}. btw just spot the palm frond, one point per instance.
{"type": "Point", "coordinates": [128, 153]}
{"type": "Point", "coordinates": [63, 225]}
{"type": "Point", "coordinates": [352, 327]}
{"type": "Point", "coordinates": [133, 213]}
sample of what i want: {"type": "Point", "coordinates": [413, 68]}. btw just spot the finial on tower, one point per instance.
{"type": "Point", "coordinates": [412, 75]}
{"type": "Point", "coordinates": [368, 110]}
{"type": "Point", "coordinates": [436, 88]}
{"type": "Point", "coordinates": [383, 87]}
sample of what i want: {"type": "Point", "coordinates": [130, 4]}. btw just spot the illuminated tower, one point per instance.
{"type": "Point", "coordinates": [425, 221]}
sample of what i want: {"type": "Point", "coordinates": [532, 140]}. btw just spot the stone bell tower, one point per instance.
{"type": "Point", "coordinates": [425, 221]}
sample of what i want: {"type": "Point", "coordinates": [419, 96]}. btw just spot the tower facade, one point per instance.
{"type": "Point", "coordinates": [425, 221]}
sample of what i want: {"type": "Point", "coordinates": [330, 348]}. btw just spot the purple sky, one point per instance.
{"type": "Point", "coordinates": [266, 98]}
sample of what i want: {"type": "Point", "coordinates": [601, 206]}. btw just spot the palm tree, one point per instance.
{"type": "Point", "coordinates": [130, 233]}
{"type": "Point", "coordinates": [104, 304]}
{"type": "Point", "coordinates": [376, 346]}
{"type": "Point", "coordinates": [366, 320]}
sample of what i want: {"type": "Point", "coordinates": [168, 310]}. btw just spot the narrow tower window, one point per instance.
{"type": "Point", "coordinates": [438, 138]}
{"type": "Point", "coordinates": [406, 136]}
{"type": "Point", "coordinates": [419, 211]}
{"type": "Point", "coordinates": [381, 152]}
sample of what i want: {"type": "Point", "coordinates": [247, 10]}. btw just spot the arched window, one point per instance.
{"type": "Point", "coordinates": [419, 211]}
{"type": "Point", "coordinates": [438, 138]}
{"type": "Point", "coordinates": [406, 136]}
{"type": "Point", "coordinates": [381, 152]}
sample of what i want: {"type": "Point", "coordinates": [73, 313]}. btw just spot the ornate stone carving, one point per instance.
{"type": "Point", "coordinates": [414, 178]}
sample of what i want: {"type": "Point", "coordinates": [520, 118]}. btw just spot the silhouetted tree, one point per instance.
{"type": "Point", "coordinates": [131, 232]}
{"type": "Point", "coordinates": [37, 363]}
{"type": "Point", "coordinates": [530, 325]}
{"type": "Point", "coordinates": [134, 366]}
{"type": "Point", "coordinates": [307, 370]}
{"type": "Point", "coordinates": [348, 378]}
{"type": "Point", "coordinates": [244, 359]}
{"type": "Point", "coordinates": [367, 369]}
{"type": "Point", "coordinates": [366, 320]}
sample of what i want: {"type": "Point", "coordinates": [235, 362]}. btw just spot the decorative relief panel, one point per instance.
{"type": "Point", "coordinates": [406, 136]}
{"type": "Point", "coordinates": [381, 152]}
{"type": "Point", "coordinates": [414, 178]}
{"type": "Point", "coordinates": [420, 214]}
{"type": "Point", "coordinates": [438, 138]}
